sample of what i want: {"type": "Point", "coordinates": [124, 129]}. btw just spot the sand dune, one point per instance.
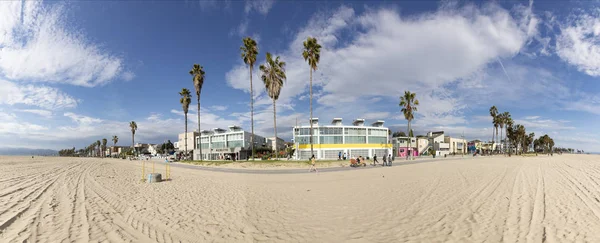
{"type": "Point", "coordinates": [552, 199]}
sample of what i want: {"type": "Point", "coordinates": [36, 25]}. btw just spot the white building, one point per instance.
{"type": "Point", "coordinates": [233, 143]}
{"type": "Point", "coordinates": [457, 145]}
{"type": "Point", "coordinates": [191, 145]}
{"type": "Point", "coordinates": [331, 140]}
{"type": "Point", "coordinates": [278, 143]}
{"type": "Point", "coordinates": [437, 142]}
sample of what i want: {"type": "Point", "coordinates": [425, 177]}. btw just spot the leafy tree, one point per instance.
{"type": "Point", "coordinates": [399, 134]}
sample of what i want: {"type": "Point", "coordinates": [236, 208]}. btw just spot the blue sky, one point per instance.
{"type": "Point", "coordinates": [72, 73]}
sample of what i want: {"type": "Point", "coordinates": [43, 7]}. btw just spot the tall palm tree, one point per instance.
{"type": "Point", "coordinates": [197, 73]}
{"type": "Point", "coordinates": [311, 54]}
{"type": "Point", "coordinates": [494, 114]}
{"type": "Point", "coordinates": [186, 99]}
{"type": "Point", "coordinates": [133, 127]}
{"type": "Point", "coordinates": [273, 76]}
{"type": "Point", "coordinates": [115, 139]}
{"type": "Point", "coordinates": [104, 141]}
{"type": "Point", "coordinates": [249, 51]}
{"type": "Point", "coordinates": [409, 104]}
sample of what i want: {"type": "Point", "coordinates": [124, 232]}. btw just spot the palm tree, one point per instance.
{"type": "Point", "coordinates": [115, 139]}
{"type": "Point", "coordinates": [311, 54]}
{"type": "Point", "coordinates": [249, 52]}
{"type": "Point", "coordinates": [104, 141]}
{"type": "Point", "coordinates": [133, 127]}
{"type": "Point", "coordinates": [185, 101]}
{"type": "Point", "coordinates": [494, 114]}
{"type": "Point", "coordinates": [409, 104]}
{"type": "Point", "coordinates": [273, 76]}
{"type": "Point", "coordinates": [197, 73]}
{"type": "Point", "coordinates": [505, 116]}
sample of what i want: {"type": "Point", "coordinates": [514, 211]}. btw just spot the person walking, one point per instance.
{"type": "Point", "coordinates": [375, 160]}
{"type": "Point", "coordinates": [312, 165]}
{"type": "Point", "coordinates": [384, 160]}
{"type": "Point", "coordinates": [340, 155]}
{"type": "Point", "coordinates": [390, 160]}
{"type": "Point", "coordinates": [344, 155]}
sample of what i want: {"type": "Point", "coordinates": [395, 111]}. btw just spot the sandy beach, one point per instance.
{"type": "Point", "coordinates": [534, 199]}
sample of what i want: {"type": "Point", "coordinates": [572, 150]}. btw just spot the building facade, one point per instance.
{"type": "Point", "coordinates": [456, 145]}
{"type": "Point", "coordinates": [233, 143]}
{"type": "Point", "coordinates": [276, 144]}
{"type": "Point", "coordinates": [331, 140]}
{"type": "Point", "coordinates": [402, 147]}
{"type": "Point", "coordinates": [191, 145]}
{"type": "Point", "coordinates": [437, 142]}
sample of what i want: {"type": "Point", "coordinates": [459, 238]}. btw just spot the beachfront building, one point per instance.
{"type": "Point", "coordinates": [276, 144]}
{"type": "Point", "coordinates": [437, 142]}
{"type": "Point", "coordinates": [191, 145]}
{"type": "Point", "coordinates": [457, 145]}
{"type": "Point", "coordinates": [231, 143]}
{"type": "Point", "coordinates": [402, 148]}
{"type": "Point", "coordinates": [331, 140]}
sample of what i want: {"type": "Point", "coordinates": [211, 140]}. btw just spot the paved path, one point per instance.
{"type": "Point", "coordinates": [397, 162]}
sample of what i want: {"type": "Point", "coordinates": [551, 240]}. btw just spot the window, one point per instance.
{"type": "Point", "coordinates": [378, 132]}
{"type": "Point", "coordinates": [355, 131]}
{"type": "Point", "coordinates": [331, 140]}
{"type": "Point", "coordinates": [331, 131]}
{"type": "Point", "coordinates": [303, 140]}
{"type": "Point", "coordinates": [378, 140]}
{"type": "Point", "coordinates": [217, 145]}
{"type": "Point", "coordinates": [234, 144]}
{"type": "Point", "coordinates": [356, 139]}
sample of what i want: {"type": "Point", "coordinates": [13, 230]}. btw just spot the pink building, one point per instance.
{"type": "Point", "coordinates": [403, 151]}
{"type": "Point", "coordinates": [401, 146]}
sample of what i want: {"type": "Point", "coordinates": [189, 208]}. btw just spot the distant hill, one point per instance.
{"type": "Point", "coordinates": [26, 151]}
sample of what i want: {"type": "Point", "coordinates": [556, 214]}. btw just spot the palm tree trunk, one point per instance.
{"type": "Point", "coordinates": [200, 133]}
{"type": "Point", "coordinates": [186, 153]}
{"type": "Point", "coordinates": [496, 134]}
{"type": "Point", "coordinates": [275, 127]}
{"type": "Point", "coordinates": [493, 139]}
{"type": "Point", "coordinates": [133, 141]}
{"type": "Point", "coordinates": [252, 114]}
{"type": "Point", "coordinates": [409, 139]}
{"type": "Point", "coordinates": [311, 117]}
{"type": "Point", "coordinates": [501, 137]}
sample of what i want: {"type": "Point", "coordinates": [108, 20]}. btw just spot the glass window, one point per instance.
{"type": "Point", "coordinates": [331, 140]}
{"type": "Point", "coordinates": [235, 144]}
{"type": "Point", "coordinates": [377, 140]}
{"type": "Point", "coordinates": [356, 139]}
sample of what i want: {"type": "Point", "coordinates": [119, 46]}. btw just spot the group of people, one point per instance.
{"type": "Point", "coordinates": [387, 160]}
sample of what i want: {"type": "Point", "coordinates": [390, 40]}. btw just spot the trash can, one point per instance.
{"type": "Point", "coordinates": [154, 177]}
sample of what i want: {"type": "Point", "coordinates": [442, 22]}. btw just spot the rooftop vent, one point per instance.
{"type": "Point", "coordinates": [315, 121]}
{"type": "Point", "coordinates": [378, 123]}
{"type": "Point", "coordinates": [359, 122]}
{"type": "Point", "coordinates": [336, 122]}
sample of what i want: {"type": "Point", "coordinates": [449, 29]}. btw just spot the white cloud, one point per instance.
{"type": "Point", "coordinates": [376, 115]}
{"type": "Point", "coordinates": [387, 54]}
{"type": "Point", "coordinates": [578, 43]}
{"type": "Point", "coordinates": [43, 113]}
{"type": "Point", "coordinates": [40, 96]}
{"type": "Point", "coordinates": [539, 123]}
{"type": "Point", "coordinates": [128, 76]}
{"type": "Point", "coordinates": [531, 117]}
{"type": "Point", "coordinates": [260, 6]}
{"type": "Point", "coordinates": [38, 46]}
{"type": "Point", "coordinates": [218, 108]}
